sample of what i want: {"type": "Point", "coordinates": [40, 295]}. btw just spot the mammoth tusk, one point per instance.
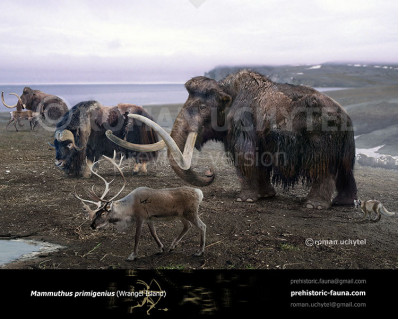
{"type": "Point", "coordinates": [183, 160]}
{"type": "Point", "coordinates": [4, 102]}
{"type": "Point", "coordinates": [135, 147]}
{"type": "Point", "coordinates": [19, 100]}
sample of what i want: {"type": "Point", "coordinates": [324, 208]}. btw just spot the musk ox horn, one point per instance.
{"type": "Point", "coordinates": [4, 102]}
{"type": "Point", "coordinates": [66, 135]}
{"type": "Point", "coordinates": [182, 160]}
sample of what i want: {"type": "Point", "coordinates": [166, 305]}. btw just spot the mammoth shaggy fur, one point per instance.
{"type": "Point", "coordinates": [50, 107]}
{"type": "Point", "coordinates": [274, 134]}
{"type": "Point", "coordinates": [88, 121]}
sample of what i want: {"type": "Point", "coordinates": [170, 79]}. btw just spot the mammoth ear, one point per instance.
{"type": "Point", "coordinates": [224, 101]}
{"type": "Point", "coordinates": [224, 98]}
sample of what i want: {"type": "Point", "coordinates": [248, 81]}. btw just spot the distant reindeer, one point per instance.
{"type": "Point", "coordinates": [16, 116]}
{"type": "Point", "coordinates": [146, 205]}
{"type": "Point", "coordinates": [20, 114]}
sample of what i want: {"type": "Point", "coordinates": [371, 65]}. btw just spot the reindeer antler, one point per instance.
{"type": "Point", "coordinates": [91, 193]}
{"type": "Point", "coordinates": [118, 167]}
{"type": "Point", "coordinates": [97, 200]}
{"type": "Point", "coordinates": [85, 206]}
{"type": "Point", "coordinates": [101, 198]}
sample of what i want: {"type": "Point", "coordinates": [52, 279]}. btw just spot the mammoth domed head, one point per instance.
{"type": "Point", "coordinates": [204, 107]}
{"type": "Point", "coordinates": [24, 101]}
{"type": "Point", "coordinates": [201, 119]}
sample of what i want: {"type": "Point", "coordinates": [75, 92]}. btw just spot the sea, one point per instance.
{"type": "Point", "coordinates": [107, 94]}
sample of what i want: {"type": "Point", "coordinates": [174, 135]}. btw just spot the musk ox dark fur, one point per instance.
{"type": "Point", "coordinates": [80, 136]}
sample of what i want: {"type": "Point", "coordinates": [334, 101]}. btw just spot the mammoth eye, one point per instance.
{"type": "Point", "coordinates": [70, 146]}
{"type": "Point", "coordinates": [202, 106]}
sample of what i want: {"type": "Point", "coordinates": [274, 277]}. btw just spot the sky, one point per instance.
{"type": "Point", "coordinates": [62, 41]}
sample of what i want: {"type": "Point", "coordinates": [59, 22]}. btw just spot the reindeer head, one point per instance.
{"type": "Point", "coordinates": [102, 214]}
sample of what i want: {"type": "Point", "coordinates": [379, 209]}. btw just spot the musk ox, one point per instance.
{"type": "Point", "coordinates": [274, 134]}
{"type": "Point", "coordinates": [50, 108]}
{"type": "Point", "coordinates": [79, 137]}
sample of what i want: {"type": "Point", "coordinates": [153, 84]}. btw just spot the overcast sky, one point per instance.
{"type": "Point", "coordinates": [142, 40]}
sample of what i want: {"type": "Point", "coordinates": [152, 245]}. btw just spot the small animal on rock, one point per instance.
{"type": "Point", "coordinates": [372, 206]}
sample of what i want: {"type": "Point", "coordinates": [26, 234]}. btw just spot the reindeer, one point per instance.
{"type": "Point", "coordinates": [19, 114]}
{"type": "Point", "coordinates": [145, 205]}
{"type": "Point", "coordinates": [16, 116]}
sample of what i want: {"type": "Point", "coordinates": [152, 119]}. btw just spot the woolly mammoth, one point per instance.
{"type": "Point", "coordinates": [274, 134]}
{"type": "Point", "coordinates": [50, 107]}
{"type": "Point", "coordinates": [80, 139]}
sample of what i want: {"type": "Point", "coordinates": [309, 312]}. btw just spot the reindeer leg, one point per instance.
{"type": "Point", "coordinates": [139, 226]}
{"type": "Point", "coordinates": [143, 168]}
{"type": "Point", "coordinates": [202, 227]}
{"type": "Point", "coordinates": [9, 122]}
{"type": "Point", "coordinates": [136, 168]}
{"type": "Point", "coordinates": [186, 227]}
{"type": "Point", "coordinates": [154, 234]}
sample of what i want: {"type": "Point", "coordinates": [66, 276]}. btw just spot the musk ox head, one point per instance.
{"type": "Point", "coordinates": [66, 149]}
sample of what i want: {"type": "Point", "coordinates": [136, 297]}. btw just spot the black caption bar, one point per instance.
{"type": "Point", "coordinates": [173, 293]}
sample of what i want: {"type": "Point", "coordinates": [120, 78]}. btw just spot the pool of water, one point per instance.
{"type": "Point", "coordinates": [20, 249]}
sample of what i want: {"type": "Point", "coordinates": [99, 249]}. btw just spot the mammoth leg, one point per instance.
{"type": "Point", "coordinates": [346, 187]}
{"type": "Point", "coordinates": [249, 187]}
{"type": "Point", "coordinates": [265, 188]}
{"type": "Point", "coordinates": [320, 193]}
{"type": "Point", "coordinates": [33, 123]}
